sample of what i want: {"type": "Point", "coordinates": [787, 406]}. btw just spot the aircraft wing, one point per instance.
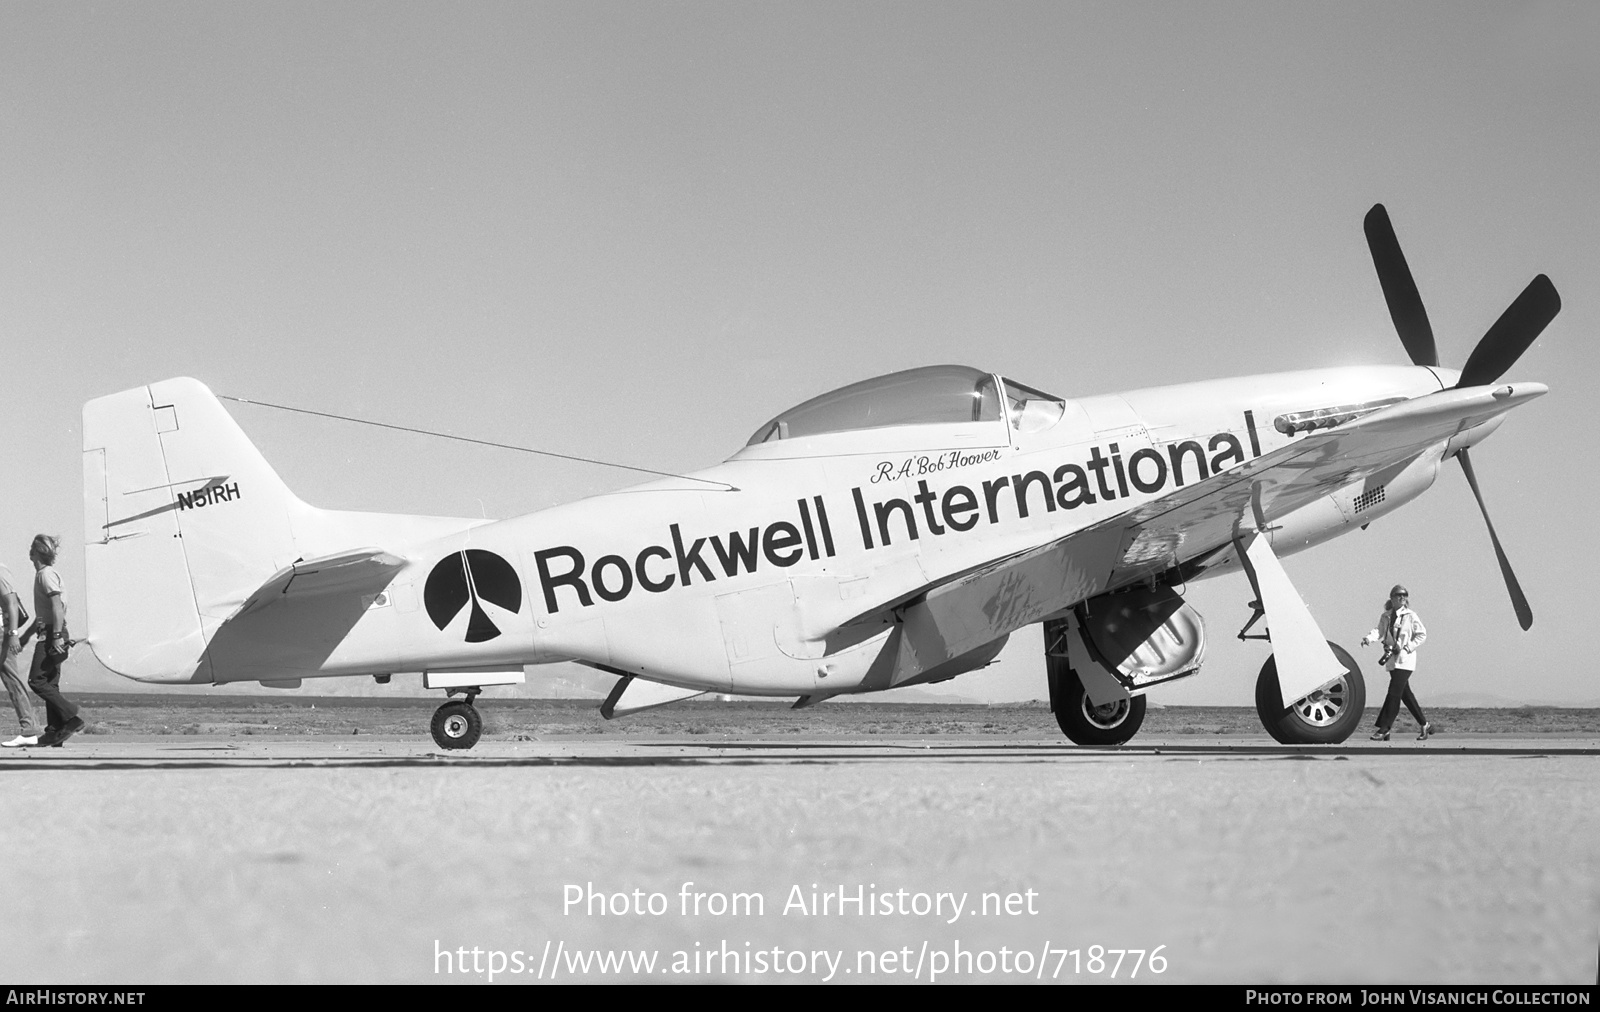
{"type": "Point", "coordinates": [1180, 525]}
{"type": "Point", "coordinates": [954, 617]}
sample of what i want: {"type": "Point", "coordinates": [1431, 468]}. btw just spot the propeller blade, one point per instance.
{"type": "Point", "coordinates": [1399, 290]}
{"type": "Point", "coordinates": [1518, 601]}
{"type": "Point", "coordinates": [1518, 327]}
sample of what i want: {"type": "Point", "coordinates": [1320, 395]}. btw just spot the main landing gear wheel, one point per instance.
{"type": "Point", "coordinates": [1326, 717]}
{"type": "Point", "coordinates": [456, 725]}
{"type": "Point", "coordinates": [1087, 724]}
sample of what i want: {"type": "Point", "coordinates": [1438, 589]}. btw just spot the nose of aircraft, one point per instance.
{"type": "Point", "coordinates": [1519, 393]}
{"type": "Point", "coordinates": [1473, 436]}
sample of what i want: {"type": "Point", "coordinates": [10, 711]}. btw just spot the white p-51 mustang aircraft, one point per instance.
{"type": "Point", "coordinates": [889, 533]}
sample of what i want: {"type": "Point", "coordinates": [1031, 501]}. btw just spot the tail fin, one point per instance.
{"type": "Point", "coordinates": [183, 519]}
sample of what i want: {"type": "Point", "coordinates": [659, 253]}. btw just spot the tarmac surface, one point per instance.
{"type": "Point", "coordinates": [191, 859]}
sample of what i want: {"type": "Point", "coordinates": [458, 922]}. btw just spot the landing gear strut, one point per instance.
{"type": "Point", "coordinates": [457, 724]}
{"type": "Point", "coordinates": [1330, 712]}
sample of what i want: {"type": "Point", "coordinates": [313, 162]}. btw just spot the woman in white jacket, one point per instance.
{"type": "Point", "coordinates": [1401, 633]}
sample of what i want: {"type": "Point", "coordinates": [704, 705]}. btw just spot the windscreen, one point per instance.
{"type": "Point", "coordinates": [1031, 410]}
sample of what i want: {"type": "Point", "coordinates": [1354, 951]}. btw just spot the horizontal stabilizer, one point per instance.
{"type": "Point", "coordinates": [366, 570]}
{"type": "Point", "coordinates": [290, 624]}
{"type": "Point", "coordinates": [634, 694]}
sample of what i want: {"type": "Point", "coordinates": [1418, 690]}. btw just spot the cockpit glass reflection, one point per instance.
{"type": "Point", "coordinates": [933, 395]}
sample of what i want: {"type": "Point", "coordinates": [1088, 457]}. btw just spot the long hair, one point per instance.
{"type": "Point", "coordinates": [46, 545]}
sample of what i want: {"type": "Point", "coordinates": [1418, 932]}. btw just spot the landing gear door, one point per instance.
{"type": "Point", "coordinates": [1101, 686]}
{"type": "Point", "coordinates": [1141, 638]}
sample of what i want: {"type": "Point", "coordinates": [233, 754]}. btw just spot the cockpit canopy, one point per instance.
{"type": "Point", "coordinates": [932, 395]}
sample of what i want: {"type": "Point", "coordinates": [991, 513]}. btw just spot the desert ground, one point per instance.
{"type": "Point", "coordinates": [129, 715]}
{"type": "Point", "coordinates": [304, 840]}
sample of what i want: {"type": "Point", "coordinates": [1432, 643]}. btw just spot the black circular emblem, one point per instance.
{"type": "Point", "coordinates": [471, 577]}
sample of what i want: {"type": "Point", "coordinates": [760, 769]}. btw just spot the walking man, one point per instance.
{"type": "Point", "coordinates": [1401, 633]}
{"type": "Point", "coordinates": [50, 625]}
{"type": "Point", "coordinates": [12, 619]}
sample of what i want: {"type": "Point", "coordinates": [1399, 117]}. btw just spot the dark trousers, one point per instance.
{"type": "Point", "coordinates": [44, 678]}
{"type": "Point", "coordinates": [1399, 692]}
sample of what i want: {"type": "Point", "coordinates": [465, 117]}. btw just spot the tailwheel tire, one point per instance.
{"type": "Point", "coordinates": [1087, 724]}
{"type": "Point", "coordinates": [457, 725]}
{"type": "Point", "coordinates": [1326, 717]}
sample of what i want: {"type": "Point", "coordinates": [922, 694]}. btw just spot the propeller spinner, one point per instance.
{"type": "Point", "coordinates": [1497, 351]}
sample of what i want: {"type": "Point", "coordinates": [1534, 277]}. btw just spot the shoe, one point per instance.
{"type": "Point", "coordinates": [1380, 735]}
{"type": "Point", "coordinates": [1427, 729]}
{"type": "Point", "coordinates": [68, 729]}
{"type": "Point", "coordinates": [20, 741]}
{"type": "Point", "coordinates": [51, 736]}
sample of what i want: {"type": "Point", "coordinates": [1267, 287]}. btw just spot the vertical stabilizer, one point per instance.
{"type": "Point", "coordinates": [183, 520]}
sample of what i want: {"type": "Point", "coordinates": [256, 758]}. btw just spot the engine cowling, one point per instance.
{"type": "Point", "coordinates": [1356, 504]}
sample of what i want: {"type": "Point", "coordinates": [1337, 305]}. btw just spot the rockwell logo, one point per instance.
{"type": "Point", "coordinates": [1106, 475]}
{"type": "Point", "coordinates": [471, 578]}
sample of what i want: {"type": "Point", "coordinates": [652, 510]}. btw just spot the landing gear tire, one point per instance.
{"type": "Point", "coordinates": [456, 725]}
{"type": "Point", "coordinates": [1087, 724]}
{"type": "Point", "coordinates": [1326, 717]}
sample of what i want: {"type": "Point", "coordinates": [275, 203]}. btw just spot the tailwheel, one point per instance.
{"type": "Point", "coordinates": [1326, 717]}
{"type": "Point", "coordinates": [457, 724]}
{"type": "Point", "coordinates": [1087, 724]}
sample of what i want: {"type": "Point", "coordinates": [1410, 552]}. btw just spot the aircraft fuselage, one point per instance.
{"type": "Point", "coordinates": [687, 583]}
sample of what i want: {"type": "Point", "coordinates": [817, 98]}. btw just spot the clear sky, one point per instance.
{"type": "Point", "coordinates": [637, 231]}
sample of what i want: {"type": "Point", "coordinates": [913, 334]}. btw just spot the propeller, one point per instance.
{"type": "Point", "coordinates": [1518, 327]}
{"type": "Point", "coordinates": [1497, 351]}
{"type": "Point", "coordinates": [1518, 601]}
{"type": "Point", "coordinates": [1399, 290]}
